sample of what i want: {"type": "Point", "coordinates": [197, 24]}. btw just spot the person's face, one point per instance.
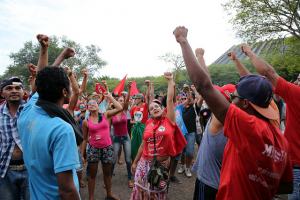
{"type": "Point", "coordinates": [92, 105]}
{"type": "Point", "coordinates": [297, 82]}
{"type": "Point", "coordinates": [183, 98]}
{"type": "Point", "coordinates": [137, 101]}
{"type": "Point", "coordinates": [178, 101]}
{"type": "Point", "coordinates": [121, 101]}
{"type": "Point", "coordinates": [237, 101]}
{"type": "Point", "coordinates": [155, 110]}
{"type": "Point", "coordinates": [12, 93]}
{"type": "Point", "coordinates": [97, 98]}
{"type": "Point", "coordinates": [82, 107]}
{"type": "Point", "coordinates": [69, 94]}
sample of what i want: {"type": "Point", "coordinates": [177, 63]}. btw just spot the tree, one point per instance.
{"type": "Point", "coordinates": [85, 58]}
{"type": "Point", "coordinates": [258, 20]}
{"type": "Point", "coordinates": [177, 61]}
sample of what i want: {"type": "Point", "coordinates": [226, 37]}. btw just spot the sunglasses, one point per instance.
{"type": "Point", "coordinates": [232, 96]}
{"type": "Point", "coordinates": [81, 106]}
{"type": "Point", "coordinates": [183, 98]}
{"type": "Point", "coordinates": [92, 103]}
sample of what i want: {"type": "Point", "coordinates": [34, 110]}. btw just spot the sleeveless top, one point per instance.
{"type": "Point", "coordinates": [209, 159]}
{"type": "Point", "coordinates": [100, 137]}
{"type": "Point", "coordinates": [120, 127]}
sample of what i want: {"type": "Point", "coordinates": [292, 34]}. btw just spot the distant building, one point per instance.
{"type": "Point", "coordinates": [258, 49]}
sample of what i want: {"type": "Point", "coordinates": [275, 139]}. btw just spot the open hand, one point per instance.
{"type": "Point", "coordinates": [231, 55]}
{"type": "Point", "coordinates": [168, 75]}
{"type": "Point", "coordinates": [43, 40]}
{"type": "Point", "coordinates": [180, 33]}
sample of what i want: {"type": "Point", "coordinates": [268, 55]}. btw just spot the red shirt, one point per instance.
{"type": "Point", "coordinates": [290, 93]}
{"type": "Point", "coordinates": [256, 158]}
{"type": "Point", "coordinates": [140, 114]}
{"type": "Point", "coordinates": [168, 141]}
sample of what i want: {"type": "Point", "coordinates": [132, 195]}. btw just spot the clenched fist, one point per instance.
{"type": "Point", "coordinates": [43, 40]}
{"type": "Point", "coordinates": [180, 33]}
{"type": "Point", "coordinates": [246, 49]}
{"type": "Point", "coordinates": [32, 68]}
{"type": "Point", "coordinates": [231, 55]}
{"type": "Point", "coordinates": [67, 53]}
{"type": "Point", "coordinates": [168, 75]}
{"type": "Point", "coordinates": [85, 72]}
{"type": "Point", "coordinates": [147, 82]}
{"type": "Point", "coordinates": [199, 52]}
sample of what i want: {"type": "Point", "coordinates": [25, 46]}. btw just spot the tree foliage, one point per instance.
{"type": "Point", "coordinates": [258, 20]}
{"type": "Point", "coordinates": [177, 61]}
{"type": "Point", "coordinates": [86, 58]}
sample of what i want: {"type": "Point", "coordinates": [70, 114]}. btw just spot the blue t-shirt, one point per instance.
{"type": "Point", "coordinates": [49, 147]}
{"type": "Point", "coordinates": [179, 119]}
{"type": "Point", "coordinates": [80, 120]}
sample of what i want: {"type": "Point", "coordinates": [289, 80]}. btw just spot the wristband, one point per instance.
{"type": "Point", "coordinates": [70, 74]}
{"type": "Point", "coordinates": [129, 86]}
{"type": "Point", "coordinates": [33, 74]}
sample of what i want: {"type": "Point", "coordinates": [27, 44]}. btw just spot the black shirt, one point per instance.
{"type": "Point", "coordinates": [205, 114]}
{"type": "Point", "coordinates": [189, 118]}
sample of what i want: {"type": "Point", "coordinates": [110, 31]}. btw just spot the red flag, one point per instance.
{"type": "Point", "coordinates": [120, 87]}
{"type": "Point", "coordinates": [99, 89]}
{"type": "Point", "coordinates": [134, 89]}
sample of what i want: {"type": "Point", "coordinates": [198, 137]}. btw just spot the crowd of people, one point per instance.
{"type": "Point", "coordinates": [246, 133]}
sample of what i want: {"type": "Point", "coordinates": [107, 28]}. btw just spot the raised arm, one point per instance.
{"type": "Point", "coordinates": [152, 91]}
{"type": "Point", "coordinates": [147, 82]}
{"type": "Point", "coordinates": [43, 59]}
{"type": "Point", "coordinates": [198, 97]}
{"type": "Point", "coordinates": [129, 83]}
{"type": "Point", "coordinates": [200, 56]}
{"type": "Point", "coordinates": [32, 69]}
{"type": "Point", "coordinates": [188, 96]}
{"type": "Point", "coordinates": [261, 66]}
{"type": "Point", "coordinates": [118, 107]}
{"type": "Point", "coordinates": [75, 90]}
{"type": "Point", "coordinates": [170, 104]}
{"type": "Point", "coordinates": [241, 68]}
{"type": "Point", "coordinates": [106, 90]}
{"type": "Point", "coordinates": [174, 94]}
{"type": "Point", "coordinates": [67, 53]}
{"type": "Point", "coordinates": [84, 81]}
{"type": "Point", "coordinates": [216, 101]}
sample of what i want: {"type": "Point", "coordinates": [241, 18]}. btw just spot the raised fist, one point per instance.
{"type": "Point", "coordinates": [32, 68]}
{"type": "Point", "coordinates": [67, 53]}
{"type": "Point", "coordinates": [152, 83]}
{"type": "Point", "coordinates": [106, 94]}
{"type": "Point", "coordinates": [129, 83]}
{"type": "Point", "coordinates": [168, 75]}
{"type": "Point", "coordinates": [231, 55]}
{"type": "Point", "coordinates": [246, 49]}
{"type": "Point", "coordinates": [122, 94]}
{"type": "Point", "coordinates": [199, 52]}
{"type": "Point", "coordinates": [43, 40]}
{"type": "Point", "coordinates": [147, 82]}
{"type": "Point", "coordinates": [104, 82]}
{"type": "Point", "coordinates": [85, 72]}
{"type": "Point", "coordinates": [193, 87]}
{"type": "Point", "coordinates": [180, 33]}
{"type": "Point", "coordinates": [30, 80]}
{"type": "Point", "coordinates": [186, 87]}
{"type": "Point", "coordinates": [68, 69]}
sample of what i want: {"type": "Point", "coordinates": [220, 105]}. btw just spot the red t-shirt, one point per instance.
{"type": "Point", "coordinates": [256, 158]}
{"type": "Point", "coordinates": [168, 138]}
{"type": "Point", "coordinates": [140, 114]}
{"type": "Point", "coordinates": [290, 93]}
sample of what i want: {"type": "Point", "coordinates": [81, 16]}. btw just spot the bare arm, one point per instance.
{"type": "Point", "coordinates": [67, 53]}
{"type": "Point", "coordinates": [241, 68]}
{"type": "Point", "coordinates": [85, 133]}
{"type": "Point", "coordinates": [261, 66]}
{"type": "Point", "coordinates": [276, 97]}
{"type": "Point", "coordinates": [216, 101]}
{"type": "Point", "coordinates": [32, 69]}
{"type": "Point", "coordinates": [147, 82]}
{"type": "Point", "coordinates": [129, 83]}
{"type": "Point", "coordinates": [66, 186]}
{"type": "Point", "coordinates": [137, 158]}
{"type": "Point", "coordinates": [43, 60]}
{"type": "Point", "coordinates": [174, 94]}
{"type": "Point", "coordinates": [152, 91]}
{"type": "Point", "coordinates": [106, 90]}
{"type": "Point", "coordinates": [84, 81]}
{"type": "Point", "coordinates": [170, 104]}
{"type": "Point", "coordinates": [109, 113]}
{"type": "Point", "coordinates": [200, 56]}
{"type": "Point", "coordinates": [198, 97]}
{"type": "Point", "coordinates": [75, 89]}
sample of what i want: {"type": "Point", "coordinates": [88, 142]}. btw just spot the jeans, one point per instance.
{"type": "Point", "coordinates": [189, 148]}
{"type": "Point", "coordinates": [80, 162]}
{"type": "Point", "coordinates": [296, 193]}
{"type": "Point", "coordinates": [117, 142]}
{"type": "Point", "coordinates": [15, 185]}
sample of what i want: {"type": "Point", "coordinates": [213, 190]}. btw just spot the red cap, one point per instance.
{"type": "Point", "coordinates": [226, 90]}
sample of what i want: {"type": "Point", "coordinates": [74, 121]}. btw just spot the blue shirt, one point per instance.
{"type": "Point", "coordinates": [9, 136]}
{"type": "Point", "coordinates": [49, 147]}
{"type": "Point", "coordinates": [179, 119]}
{"type": "Point", "coordinates": [80, 120]}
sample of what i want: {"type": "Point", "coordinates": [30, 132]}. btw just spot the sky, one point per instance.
{"type": "Point", "coordinates": [132, 34]}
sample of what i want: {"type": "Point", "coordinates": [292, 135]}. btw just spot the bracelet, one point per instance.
{"type": "Point", "coordinates": [70, 74]}
{"type": "Point", "coordinates": [129, 86]}
{"type": "Point", "coordinates": [33, 74]}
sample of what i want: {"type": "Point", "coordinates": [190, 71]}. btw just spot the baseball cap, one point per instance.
{"type": "Point", "coordinates": [259, 91]}
{"type": "Point", "coordinates": [226, 90]}
{"type": "Point", "coordinates": [138, 96]}
{"type": "Point", "coordinates": [11, 81]}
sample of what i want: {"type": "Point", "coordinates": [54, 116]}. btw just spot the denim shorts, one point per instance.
{"type": "Point", "coordinates": [80, 162]}
{"type": "Point", "coordinates": [189, 148]}
{"type": "Point", "coordinates": [94, 154]}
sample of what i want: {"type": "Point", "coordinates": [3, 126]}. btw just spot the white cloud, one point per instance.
{"type": "Point", "coordinates": [132, 34]}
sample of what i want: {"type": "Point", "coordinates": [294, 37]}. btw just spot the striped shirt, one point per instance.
{"type": "Point", "coordinates": [9, 135]}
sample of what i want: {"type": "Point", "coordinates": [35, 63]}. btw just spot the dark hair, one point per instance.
{"type": "Point", "coordinates": [157, 102]}
{"type": "Point", "coordinates": [50, 81]}
{"type": "Point", "coordinates": [164, 101]}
